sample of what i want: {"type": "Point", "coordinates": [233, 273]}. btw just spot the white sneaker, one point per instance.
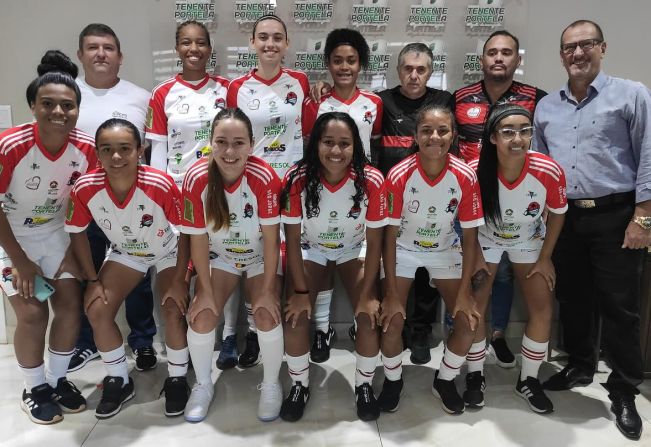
{"type": "Point", "coordinates": [197, 407]}
{"type": "Point", "coordinates": [271, 399]}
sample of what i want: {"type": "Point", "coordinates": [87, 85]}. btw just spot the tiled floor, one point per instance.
{"type": "Point", "coordinates": [581, 417]}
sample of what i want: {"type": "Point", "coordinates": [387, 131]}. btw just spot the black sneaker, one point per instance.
{"type": "Point", "coordinates": [68, 396]}
{"type": "Point", "coordinates": [503, 355]}
{"type": "Point", "coordinates": [294, 405]}
{"type": "Point", "coordinates": [475, 386]}
{"type": "Point", "coordinates": [81, 357]}
{"type": "Point", "coordinates": [113, 396]}
{"type": "Point", "coordinates": [420, 353]}
{"type": "Point", "coordinates": [177, 392]}
{"type": "Point", "coordinates": [446, 390]}
{"type": "Point", "coordinates": [228, 355]}
{"type": "Point", "coordinates": [320, 351]}
{"type": "Point", "coordinates": [39, 406]}
{"type": "Point", "coordinates": [531, 391]}
{"type": "Point", "coordinates": [145, 358]}
{"type": "Point", "coordinates": [352, 332]}
{"type": "Point", "coordinates": [389, 398]}
{"type": "Point", "coordinates": [251, 355]}
{"type": "Point", "coordinates": [367, 405]}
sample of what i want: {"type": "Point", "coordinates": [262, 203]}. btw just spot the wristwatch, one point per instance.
{"type": "Point", "coordinates": [643, 221]}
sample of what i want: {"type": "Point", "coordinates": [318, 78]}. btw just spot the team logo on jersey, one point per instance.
{"type": "Point", "coordinates": [354, 212]}
{"type": "Point", "coordinates": [175, 133]}
{"type": "Point", "coordinates": [533, 209]}
{"type": "Point", "coordinates": [126, 230]}
{"type": "Point", "coordinates": [331, 245]}
{"type": "Point", "coordinates": [291, 98]}
{"type": "Point", "coordinates": [413, 190]}
{"type": "Point", "coordinates": [368, 117]}
{"type": "Point", "coordinates": [333, 214]}
{"type": "Point", "coordinates": [452, 191]}
{"type": "Point", "coordinates": [413, 206]}
{"type": "Point", "coordinates": [532, 194]}
{"type": "Point", "coordinates": [33, 167]}
{"type": "Point", "coordinates": [220, 103]}
{"type": "Point", "coordinates": [390, 202]}
{"type": "Point", "coordinates": [32, 222]}
{"type": "Point", "coordinates": [473, 112]}
{"type": "Point", "coordinates": [73, 164]}
{"type": "Point", "coordinates": [71, 210]}
{"type": "Point", "coordinates": [509, 212]}
{"type": "Point", "coordinates": [141, 207]}
{"type": "Point", "coordinates": [239, 250]}
{"type": "Point", "coordinates": [254, 104]}
{"type": "Point", "coordinates": [507, 236]}
{"type": "Point", "coordinates": [426, 244]}
{"type": "Point", "coordinates": [150, 117]}
{"type": "Point", "coordinates": [273, 107]}
{"type": "Point", "coordinates": [248, 210]}
{"type": "Point", "coordinates": [33, 183]}
{"type": "Point", "coordinates": [6, 274]}
{"type": "Point", "coordinates": [73, 178]}
{"type": "Point", "coordinates": [146, 221]}
{"type": "Point", "coordinates": [54, 184]}
{"type": "Point", "coordinates": [178, 158]}
{"type": "Point", "coordinates": [452, 206]}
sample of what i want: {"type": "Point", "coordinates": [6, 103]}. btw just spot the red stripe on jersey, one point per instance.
{"type": "Point", "coordinates": [198, 169]}
{"type": "Point", "coordinates": [396, 141]}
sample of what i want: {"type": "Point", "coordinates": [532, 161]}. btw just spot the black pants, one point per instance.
{"type": "Point", "coordinates": [597, 277]}
{"type": "Point", "coordinates": [421, 311]}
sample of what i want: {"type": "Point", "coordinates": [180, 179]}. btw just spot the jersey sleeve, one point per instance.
{"type": "Point", "coordinates": [78, 216]}
{"type": "Point", "coordinates": [231, 92]}
{"type": "Point", "coordinates": [471, 213]}
{"type": "Point", "coordinates": [310, 110]}
{"type": "Point", "coordinates": [267, 194]}
{"type": "Point", "coordinates": [173, 208]}
{"type": "Point", "coordinates": [7, 166]}
{"type": "Point", "coordinates": [395, 188]}
{"type": "Point", "coordinates": [376, 211]}
{"type": "Point", "coordinates": [556, 200]}
{"type": "Point", "coordinates": [156, 121]}
{"type": "Point", "coordinates": [377, 124]}
{"type": "Point", "coordinates": [193, 221]}
{"type": "Point", "coordinates": [292, 209]}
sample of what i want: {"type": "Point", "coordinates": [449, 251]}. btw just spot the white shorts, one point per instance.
{"type": "Point", "coordinates": [439, 264]}
{"type": "Point", "coordinates": [319, 257]}
{"type": "Point", "coordinates": [254, 269]}
{"type": "Point", "coordinates": [45, 250]}
{"type": "Point", "coordinates": [493, 255]}
{"type": "Point", "coordinates": [143, 264]}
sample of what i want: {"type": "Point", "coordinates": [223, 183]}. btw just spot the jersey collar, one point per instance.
{"type": "Point", "coordinates": [523, 174]}
{"type": "Point", "coordinates": [346, 101]}
{"type": "Point", "coordinates": [338, 186]}
{"type": "Point", "coordinates": [46, 153]}
{"type": "Point", "coordinates": [424, 174]}
{"type": "Point", "coordinates": [266, 81]}
{"type": "Point", "coordinates": [190, 85]}
{"type": "Point", "coordinates": [127, 199]}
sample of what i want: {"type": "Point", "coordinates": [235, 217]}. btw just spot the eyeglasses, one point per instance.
{"type": "Point", "coordinates": [508, 133]}
{"type": "Point", "coordinates": [586, 45]}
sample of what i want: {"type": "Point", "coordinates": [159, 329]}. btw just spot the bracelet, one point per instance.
{"type": "Point", "coordinates": [93, 280]}
{"type": "Point", "coordinates": [302, 292]}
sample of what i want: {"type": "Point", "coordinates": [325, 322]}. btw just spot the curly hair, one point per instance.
{"type": "Point", "coordinates": [311, 165]}
{"type": "Point", "coordinates": [347, 36]}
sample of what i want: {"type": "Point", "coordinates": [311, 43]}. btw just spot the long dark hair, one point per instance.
{"type": "Point", "coordinates": [217, 211]}
{"type": "Point", "coordinates": [55, 68]}
{"type": "Point", "coordinates": [311, 165]}
{"type": "Point", "coordinates": [119, 122]}
{"type": "Point", "coordinates": [487, 169]}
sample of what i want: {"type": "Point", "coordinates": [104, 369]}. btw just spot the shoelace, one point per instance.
{"type": "Point", "coordinates": [68, 386]}
{"type": "Point", "coordinates": [365, 394]}
{"type": "Point", "coordinates": [295, 393]}
{"type": "Point", "coordinates": [145, 351]}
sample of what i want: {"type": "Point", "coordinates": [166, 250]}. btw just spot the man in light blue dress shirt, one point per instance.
{"type": "Point", "coordinates": [598, 128]}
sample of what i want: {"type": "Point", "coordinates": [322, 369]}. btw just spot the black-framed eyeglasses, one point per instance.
{"type": "Point", "coordinates": [509, 133]}
{"type": "Point", "coordinates": [586, 45]}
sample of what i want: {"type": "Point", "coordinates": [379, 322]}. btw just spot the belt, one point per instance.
{"type": "Point", "coordinates": [613, 199]}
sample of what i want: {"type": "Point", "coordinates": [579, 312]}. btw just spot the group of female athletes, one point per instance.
{"type": "Point", "coordinates": [235, 162]}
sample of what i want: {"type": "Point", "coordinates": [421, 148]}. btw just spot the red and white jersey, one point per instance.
{"type": "Point", "coordinates": [180, 113]}
{"type": "Point", "coordinates": [274, 108]}
{"type": "Point", "coordinates": [425, 210]}
{"type": "Point", "coordinates": [143, 225]}
{"type": "Point", "coordinates": [339, 225]}
{"type": "Point", "coordinates": [365, 108]}
{"type": "Point", "coordinates": [34, 184]}
{"type": "Point", "coordinates": [541, 184]}
{"type": "Point", "coordinates": [252, 202]}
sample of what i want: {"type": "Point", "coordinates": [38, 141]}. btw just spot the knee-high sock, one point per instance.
{"type": "Point", "coordinates": [231, 312]}
{"type": "Point", "coordinates": [533, 353]}
{"type": "Point", "coordinates": [450, 365]}
{"type": "Point", "coordinates": [476, 356]}
{"type": "Point", "coordinates": [271, 348]}
{"type": "Point", "coordinates": [299, 368]}
{"type": "Point", "coordinates": [57, 365]}
{"type": "Point", "coordinates": [392, 367]}
{"type": "Point", "coordinates": [322, 310]}
{"type": "Point", "coordinates": [177, 361]}
{"type": "Point", "coordinates": [364, 369]}
{"type": "Point", "coordinates": [201, 347]}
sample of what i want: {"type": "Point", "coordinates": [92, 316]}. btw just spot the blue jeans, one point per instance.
{"type": "Point", "coordinates": [502, 297]}
{"type": "Point", "coordinates": [139, 304]}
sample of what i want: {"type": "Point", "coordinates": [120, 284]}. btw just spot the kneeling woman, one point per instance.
{"type": "Point", "coordinates": [138, 208]}
{"type": "Point", "coordinates": [232, 214]}
{"type": "Point", "coordinates": [516, 187]}
{"type": "Point", "coordinates": [427, 192]}
{"type": "Point", "coordinates": [334, 202]}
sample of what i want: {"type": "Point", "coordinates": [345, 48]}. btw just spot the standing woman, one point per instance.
{"type": "Point", "coordinates": [232, 215]}
{"type": "Point", "coordinates": [517, 187]}
{"type": "Point", "coordinates": [427, 192]}
{"type": "Point", "coordinates": [271, 96]}
{"type": "Point", "coordinates": [334, 213]}
{"type": "Point", "coordinates": [138, 209]}
{"type": "Point", "coordinates": [39, 164]}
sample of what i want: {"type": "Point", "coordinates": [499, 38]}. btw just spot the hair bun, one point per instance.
{"type": "Point", "coordinates": [56, 61]}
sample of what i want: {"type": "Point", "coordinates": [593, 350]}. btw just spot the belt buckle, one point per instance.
{"type": "Point", "coordinates": [585, 203]}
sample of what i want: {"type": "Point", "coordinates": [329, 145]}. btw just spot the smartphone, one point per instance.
{"type": "Point", "coordinates": [42, 289]}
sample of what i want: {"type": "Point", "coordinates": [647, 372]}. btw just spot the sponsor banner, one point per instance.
{"type": "Point", "coordinates": [312, 11]}
{"type": "Point", "coordinates": [200, 10]}
{"type": "Point", "coordinates": [430, 13]}
{"type": "Point", "coordinates": [311, 60]}
{"type": "Point", "coordinates": [250, 11]}
{"type": "Point", "coordinates": [371, 13]}
{"type": "Point", "coordinates": [486, 14]}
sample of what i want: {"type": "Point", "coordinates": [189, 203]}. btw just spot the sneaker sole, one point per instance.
{"type": "Point", "coordinates": [171, 415]}
{"type": "Point", "coordinates": [39, 421]}
{"type": "Point", "coordinates": [72, 410]}
{"type": "Point", "coordinates": [500, 363]}
{"type": "Point", "coordinates": [195, 419]}
{"type": "Point", "coordinates": [394, 409]}
{"type": "Point", "coordinates": [117, 410]}
{"type": "Point", "coordinates": [536, 410]}
{"type": "Point", "coordinates": [147, 369]}
{"type": "Point", "coordinates": [446, 409]}
{"type": "Point", "coordinates": [82, 364]}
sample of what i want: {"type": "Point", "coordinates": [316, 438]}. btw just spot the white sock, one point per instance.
{"type": "Point", "coordinates": [392, 367]}
{"type": "Point", "coordinates": [322, 310]}
{"type": "Point", "coordinates": [177, 361]}
{"type": "Point", "coordinates": [299, 368]}
{"type": "Point", "coordinates": [249, 317]}
{"type": "Point", "coordinates": [450, 365]}
{"type": "Point", "coordinates": [201, 347]}
{"type": "Point", "coordinates": [272, 347]}
{"type": "Point", "coordinates": [231, 310]}
{"type": "Point", "coordinates": [364, 369]}
{"type": "Point", "coordinates": [57, 365]}
{"type": "Point", "coordinates": [476, 356]}
{"type": "Point", "coordinates": [33, 376]}
{"type": "Point", "coordinates": [533, 353]}
{"type": "Point", "coordinates": [115, 362]}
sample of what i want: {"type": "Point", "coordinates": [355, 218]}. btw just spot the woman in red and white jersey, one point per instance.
{"type": "Point", "coordinates": [39, 164]}
{"type": "Point", "coordinates": [182, 108]}
{"type": "Point", "coordinates": [232, 214]}
{"type": "Point", "coordinates": [334, 214]}
{"type": "Point", "coordinates": [427, 192]}
{"type": "Point", "coordinates": [517, 189]}
{"type": "Point", "coordinates": [138, 209]}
